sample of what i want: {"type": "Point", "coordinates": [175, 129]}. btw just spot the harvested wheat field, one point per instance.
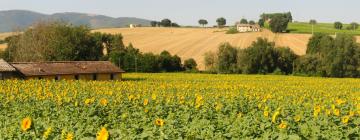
{"type": "Point", "coordinates": [194, 42]}
{"type": "Point", "coordinates": [3, 47]}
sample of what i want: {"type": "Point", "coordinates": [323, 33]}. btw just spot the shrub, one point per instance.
{"type": "Point", "coordinates": [232, 30]}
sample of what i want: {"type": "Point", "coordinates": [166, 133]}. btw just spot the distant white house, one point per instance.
{"type": "Point", "coordinates": [132, 25]}
{"type": "Point", "coordinates": [247, 28]}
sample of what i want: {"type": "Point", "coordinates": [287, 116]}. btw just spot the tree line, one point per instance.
{"type": "Point", "coordinates": [326, 56]}
{"type": "Point", "coordinates": [60, 41]}
{"type": "Point", "coordinates": [164, 23]}
{"type": "Point", "coordinates": [261, 57]}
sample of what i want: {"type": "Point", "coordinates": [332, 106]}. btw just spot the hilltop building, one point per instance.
{"type": "Point", "coordinates": [62, 70]}
{"type": "Point", "coordinates": [247, 28]}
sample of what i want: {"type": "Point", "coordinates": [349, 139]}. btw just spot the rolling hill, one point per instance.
{"type": "Point", "coordinates": [195, 42]}
{"type": "Point", "coordinates": [19, 19]}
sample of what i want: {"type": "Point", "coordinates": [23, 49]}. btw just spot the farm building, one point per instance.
{"type": "Point", "coordinates": [68, 70]}
{"type": "Point", "coordinates": [248, 28]}
{"type": "Point", "coordinates": [6, 70]}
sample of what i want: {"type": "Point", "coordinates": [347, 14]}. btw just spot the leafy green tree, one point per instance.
{"type": "Point", "coordinates": [285, 59]}
{"type": "Point", "coordinates": [261, 22]}
{"type": "Point", "coordinates": [251, 22]}
{"type": "Point", "coordinates": [260, 57]}
{"type": "Point", "coordinates": [203, 22]}
{"type": "Point", "coordinates": [313, 45]}
{"type": "Point", "coordinates": [312, 22]}
{"type": "Point", "coordinates": [210, 60]}
{"type": "Point", "coordinates": [227, 57]}
{"type": "Point", "coordinates": [353, 26]}
{"type": "Point", "coordinates": [153, 23]}
{"type": "Point", "coordinates": [175, 25]}
{"type": "Point", "coordinates": [243, 21]}
{"type": "Point", "coordinates": [166, 22]}
{"type": "Point", "coordinates": [169, 63]}
{"type": "Point", "coordinates": [289, 16]}
{"type": "Point", "coordinates": [54, 41]}
{"type": "Point", "coordinates": [149, 62]}
{"type": "Point", "coordinates": [279, 24]}
{"type": "Point", "coordinates": [338, 25]}
{"type": "Point", "coordinates": [221, 22]}
{"type": "Point", "coordinates": [190, 65]}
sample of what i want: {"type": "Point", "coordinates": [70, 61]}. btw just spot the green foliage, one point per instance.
{"type": "Point", "coordinates": [227, 58]}
{"type": "Point", "coordinates": [232, 30]}
{"type": "Point", "coordinates": [154, 23]}
{"type": "Point", "coordinates": [331, 57]}
{"type": "Point", "coordinates": [131, 59]}
{"type": "Point", "coordinates": [260, 58]}
{"type": "Point", "coordinates": [221, 22]}
{"type": "Point", "coordinates": [2, 41]}
{"type": "Point", "coordinates": [279, 23]}
{"type": "Point", "coordinates": [327, 28]}
{"type": "Point", "coordinates": [243, 21]}
{"type": "Point", "coordinates": [353, 26]}
{"type": "Point", "coordinates": [338, 25]}
{"type": "Point", "coordinates": [203, 22]}
{"type": "Point", "coordinates": [190, 65]}
{"type": "Point", "coordinates": [251, 22]}
{"type": "Point", "coordinates": [270, 16]}
{"type": "Point", "coordinates": [54, 41]}
{"type": "Point", "coordinates": [166, 22]}
{"type": "Point", "coordinates": [261, 22]}
{"type": "Point", "coordinates": [312, 22]}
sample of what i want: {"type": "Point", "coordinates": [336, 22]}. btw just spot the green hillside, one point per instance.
{"type": "Point", "coordinates": [302, 27]}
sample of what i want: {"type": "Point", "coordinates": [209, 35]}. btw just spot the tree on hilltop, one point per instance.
{"type": "Point", "coordinates": [221, 22]}
{"type": "Point", "coordinates": [338, 25]}
{"type": "Point", "coordinates": [203, 22]}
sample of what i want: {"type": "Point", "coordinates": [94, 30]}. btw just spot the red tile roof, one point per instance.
{"type": "Point", "coordinates": [5, 67]}
{"type": "Point", "coordinates": [65, 68]}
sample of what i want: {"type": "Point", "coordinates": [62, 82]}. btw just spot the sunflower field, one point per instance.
{"type": "Point", "coordinates": [182, 106]}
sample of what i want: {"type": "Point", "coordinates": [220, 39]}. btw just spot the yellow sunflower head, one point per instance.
{"type": "Point", "coordinates": [345, 119]}
{"type": "Point", "coordinates": [159, 122]}
{"type": "Point", "coordinates": [26, 124]}
{"type": "Point", "coordinates": [282, 125]}
{"type": "Point", "coordinates": [103, 134]}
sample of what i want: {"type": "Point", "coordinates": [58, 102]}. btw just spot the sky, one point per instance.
{"type": "Point", "coordinates": [188, 12]}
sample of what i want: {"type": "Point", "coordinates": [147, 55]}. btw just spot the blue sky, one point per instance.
{"type": "Point", "coordinates": [188, 12]}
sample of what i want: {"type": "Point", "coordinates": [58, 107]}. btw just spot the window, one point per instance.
{"type": "Point", "coordinates": [94, 77]}
{"type": "Point", "coordinates": [40, 78]}
{"type": "Point", "coordinates": [57, 77]}
{"type": "Point", "coordinates": [76, 77]}
{"type": "Point", "coordinates": [1, 76]}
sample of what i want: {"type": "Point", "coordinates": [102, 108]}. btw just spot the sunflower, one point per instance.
{"type": "Point", "coordinates": [103, 134]}
{"type": "Point", "coordinates": [297, 118]}
{"type": "Point", "coordinates": [282, 125]}
{"type": "Point", "coordinates": [159, 122]}
{"type": "Point", "coordinates": [146, 102]}
{"type": "Point", "coordinates": [47, 133]}
{"type": "Point", "coordinates": [69, 136]}
{"type": "Point", "coordinates": [103, 102]}
{"type": "Point", "coordinates": [266, 113]}
{"type": "Point", "coordinates": [336, 112]}
{"type": "Point", "coordinates": [26, 124]}
{"type": "Point", "coordinates": [345, 119]}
